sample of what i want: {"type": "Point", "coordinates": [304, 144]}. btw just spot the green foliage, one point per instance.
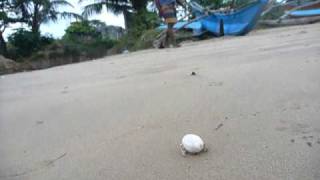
{"type": "Point", "coordinates": [3, 17]}
{"type": "Point", "coordinates": [37, 56]}
{"type": "Point", "coordinates": [142, 25]}
{"type": "Point", "coordinates": [79, 31]}
{"type": "Point", "coordinates": [24, 43]}
{"type": "Point", "coordinates": [146, 39]}
{"type": "Point", "coordinates": [82, 38]}
{"type": "Point", "coordinates": [82, 41]}
{"type": "Point", "coordinates": [141, 22]}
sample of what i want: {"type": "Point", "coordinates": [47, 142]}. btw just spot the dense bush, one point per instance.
{"type": "Point", "coordinates": [23, 43]}
{"type": "Point", "coordinates": [82, 38]}
{"type": "Point", "coordinates": [143, 21]}
{"type": "Point", "coordinates": [80, 32]}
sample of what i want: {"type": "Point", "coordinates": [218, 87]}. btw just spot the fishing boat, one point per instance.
{"type": "Point", "coordinates": [305, 13]}
{"type": "Point", "coordinates": [234, 22]}
{"type": "Point", "coordinates": [238, 21]}
{"type": "Point", "coordinates": [296, 14]}
{"type": "Point", "coordinates": [306, 10]}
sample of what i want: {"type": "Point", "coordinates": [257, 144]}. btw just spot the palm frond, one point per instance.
{"type": "Point", "coordinates": [97, 7]}
{"type": "Point", "coordinates": [70, 15]}
{"type": "Point", "coordinates": [91, 9]}
{"type": "Point", "coordinates": [56, 3]}
{"type": "Point", "coordinates": [50, 16]}
{"type": "Point", "coordinates": [118, 8]}
{"type": "Point", "coordinates": [115, 6]}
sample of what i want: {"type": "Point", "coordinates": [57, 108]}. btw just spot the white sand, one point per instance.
{"type": "Point", "coordinates": [255, 101]}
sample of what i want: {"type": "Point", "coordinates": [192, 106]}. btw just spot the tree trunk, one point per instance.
{"type": "Point", "coordinates": [3, 45]}
{"type": "Point", "coordinates": [127, 19]}
{"type": "Point", "coordinates": [35, 26]}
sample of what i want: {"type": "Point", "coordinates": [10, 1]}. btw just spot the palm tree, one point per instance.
{"type": "Point", "coordinates": [38, 12]}
{"type": "Point", "coordinates": [116, 6]}
{"type": "Point", "coordinates": [8, 15]}
{"type": "Point", "coordinates": [5, 7]}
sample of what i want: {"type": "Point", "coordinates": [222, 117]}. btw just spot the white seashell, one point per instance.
{"type": "Point", "coordinates": [192, 144]}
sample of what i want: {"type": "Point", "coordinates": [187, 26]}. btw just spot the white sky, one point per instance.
{"type": "Point", "coordinates": [57, 29]}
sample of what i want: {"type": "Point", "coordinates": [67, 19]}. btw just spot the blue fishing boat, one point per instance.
{"type": "Point", "coordinates": [306, 10]}
{"type": "Point", "coordinates": [305, 13]}
{"type": "Point", "coordinates": [237, 22]}
{"type": "Point", "coordinates": [227, 22]}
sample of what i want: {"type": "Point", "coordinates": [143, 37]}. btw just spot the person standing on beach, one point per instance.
{"type": "Point", "coordinates": [167, 10]}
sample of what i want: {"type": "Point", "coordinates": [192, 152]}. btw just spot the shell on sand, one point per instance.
{"type": "Point", "coordinates": [192, 143]}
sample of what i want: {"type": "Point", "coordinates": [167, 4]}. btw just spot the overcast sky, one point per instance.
{"type": "Point", "coordinates": [57, 29]}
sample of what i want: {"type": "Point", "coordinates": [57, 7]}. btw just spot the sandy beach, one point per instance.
{"type": "Point", "coordinates": [255, 101]}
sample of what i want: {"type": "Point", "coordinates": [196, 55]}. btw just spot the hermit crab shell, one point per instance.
{"type": "Point", "coordinates": [192, 143]}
